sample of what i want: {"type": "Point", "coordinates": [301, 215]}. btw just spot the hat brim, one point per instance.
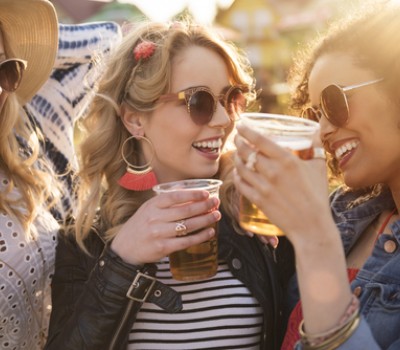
{"type": "Point", "coordinates": [32, 28]}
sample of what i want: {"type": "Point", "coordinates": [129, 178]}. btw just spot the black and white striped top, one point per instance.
{"type": "Point", "coordinates": [218, 313]}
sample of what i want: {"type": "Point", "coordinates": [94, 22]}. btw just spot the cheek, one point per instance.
{"type": "Point", "coordinates": [173, 139]}
{"type": "Point", "coordinates": [372, 115]}
{"type": "Point", "coordinates": [172, 132]}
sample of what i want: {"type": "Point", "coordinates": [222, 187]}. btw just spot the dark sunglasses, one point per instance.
{"type": "Point", "coordinates": [333, 104]}
{"type": "Point", "coordinates": [202, 103]}
{"type": "Point", "coordinates": [11, 72]}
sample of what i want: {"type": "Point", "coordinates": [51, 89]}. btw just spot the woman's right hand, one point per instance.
{"type": "Point", "coordinates": [293, 193]}
{"type": "Point", "coordinates": [150, 234]}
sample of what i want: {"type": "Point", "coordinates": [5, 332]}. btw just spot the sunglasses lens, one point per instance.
{"type": "Point", "coordinates": [201, 105]}
{"type": "Point", "coordinates": [11, 75]}
{"type": "Point", "coordinates": [334, 105]}
{"type": "Point", "coordinates": [236, 103]}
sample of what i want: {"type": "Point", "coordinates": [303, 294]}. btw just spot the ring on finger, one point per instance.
{"type": "Point", "coordinates": [180, 228]}
{"type": "Point", "coordinates": [251, 161]}
{"type": "Point", "coordinates": [319, 153]}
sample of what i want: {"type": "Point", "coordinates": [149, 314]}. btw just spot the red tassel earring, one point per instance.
{"type": "Point", "coordinates": [138, 177]}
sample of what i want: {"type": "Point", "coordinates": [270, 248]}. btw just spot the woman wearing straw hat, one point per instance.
{"type": "Point", "coordinates": [35, 145]}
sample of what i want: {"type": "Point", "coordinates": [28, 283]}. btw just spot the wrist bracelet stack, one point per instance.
{"type": "Point", "coordinates": [336, 336]}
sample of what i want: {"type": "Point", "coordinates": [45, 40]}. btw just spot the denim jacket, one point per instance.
{"type": "Point", "coordinates": [378, 282]}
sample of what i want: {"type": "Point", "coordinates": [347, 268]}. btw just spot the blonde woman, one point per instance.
{"type": "Point", "coordinates": [34, 152]}
{"type": "Point", "coordinates": [167, 105]}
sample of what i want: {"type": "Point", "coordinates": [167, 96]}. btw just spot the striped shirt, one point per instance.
{"type": "Point", "coordinates": [218, 313]}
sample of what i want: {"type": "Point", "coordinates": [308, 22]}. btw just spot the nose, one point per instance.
{"type": "Point", "coordinates": [326, 128]}
{"type": "Point", "coordinates": [220, 118]}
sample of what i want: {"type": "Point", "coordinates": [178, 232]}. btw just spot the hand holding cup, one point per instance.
{"type": "Point", "coordinates": [271, 173]}
{"type": "Point", "coordinates": [152, 232]}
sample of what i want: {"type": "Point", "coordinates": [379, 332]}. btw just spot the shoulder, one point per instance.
{"type": "Point", "coordinates": [68, 245]}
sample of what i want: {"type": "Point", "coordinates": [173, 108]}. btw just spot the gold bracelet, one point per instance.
{"type": "Point", "coordinates": [337, 339]}
{"type": "Point", "coordinates": [346, 322]}
{"type": "Point", "coordinates": [348, 317]}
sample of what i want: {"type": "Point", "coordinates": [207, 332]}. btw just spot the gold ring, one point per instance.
{"type": "Point", "coordinates": [180, 228]}
{"type": "Point", "coordinates": [251, 161]}
{"type": "Point", "coordinates": [319, 152]}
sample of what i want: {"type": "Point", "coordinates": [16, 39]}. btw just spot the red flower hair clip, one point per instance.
{"type": "Point", "coordinates": [144, 50]}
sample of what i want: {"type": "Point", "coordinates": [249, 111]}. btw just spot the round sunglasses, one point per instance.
{"type": "Point", "coordinates": [334, 104]}
{"type": "Point", "coordinates": [11, 72]}
{"type": "Point", "coordinates": [202, 103]}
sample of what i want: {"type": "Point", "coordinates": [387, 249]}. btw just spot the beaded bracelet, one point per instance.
{"type": "Point", "coordinates": [340, 333]}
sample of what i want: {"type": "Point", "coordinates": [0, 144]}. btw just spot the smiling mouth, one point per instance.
{"type": "Point", "coordinates": [208, 146]}
{"type": "Point", "coordinates": [345, 149]}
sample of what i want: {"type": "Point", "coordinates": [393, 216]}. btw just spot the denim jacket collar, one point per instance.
{"type": "Point", "coordinates": [352, 222]}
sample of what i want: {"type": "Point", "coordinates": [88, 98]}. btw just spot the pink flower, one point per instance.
{"type": "Point", "coordinates": [144, 50]}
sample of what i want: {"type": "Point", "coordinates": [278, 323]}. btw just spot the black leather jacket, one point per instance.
{"type": "Point", "coordinates": [91, 309]}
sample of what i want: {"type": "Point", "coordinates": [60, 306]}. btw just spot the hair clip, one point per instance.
{"type": "Point", "coordinates": [176, 25]}
{"type": "Point", "coordinates": [144, 50]}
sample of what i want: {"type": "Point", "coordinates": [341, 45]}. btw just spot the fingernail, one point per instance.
{"type": "Point", "coordinates": [274, 241]}
{"type": "Point", "coordinates": [250, 234]}
{"type": "Point", "coordinates": [211, 232]}
{"type": "Point", "coordinates": [217, 214]}
{"type": "Point", "coordinates": [215, 201]}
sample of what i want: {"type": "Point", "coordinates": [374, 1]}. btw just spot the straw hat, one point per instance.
{"type": "Point", "coordinates": [32, 29]}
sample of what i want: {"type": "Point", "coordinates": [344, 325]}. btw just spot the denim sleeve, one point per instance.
{"type": "Point", "coordinates": [361, 339]}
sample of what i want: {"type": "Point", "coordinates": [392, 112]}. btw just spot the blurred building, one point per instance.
{"type": "Point", "coordinates": [271, 31]}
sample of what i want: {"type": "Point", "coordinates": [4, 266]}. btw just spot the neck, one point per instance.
{"type": "Point", "coordinates": [396, 197]}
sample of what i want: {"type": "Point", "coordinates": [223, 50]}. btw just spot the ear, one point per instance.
{"type": "Point", "coordinates": [132, 120]}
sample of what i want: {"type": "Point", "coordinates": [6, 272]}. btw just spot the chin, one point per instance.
{"type": "Point", "coordinates": [203, 175]}
{"type": "Point", "coordinates": [357, 182]}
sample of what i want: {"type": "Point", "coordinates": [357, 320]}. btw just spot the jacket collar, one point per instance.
{"type": "Point", "coordinates": [353, 221]}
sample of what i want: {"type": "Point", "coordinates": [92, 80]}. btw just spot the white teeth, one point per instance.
{"type": "Point", "coordinates": [209, 144]}
{"type": "Point", "coordinates": [345, 148]}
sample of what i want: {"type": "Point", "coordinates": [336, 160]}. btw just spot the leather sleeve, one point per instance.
{"type": "Point", "coordinates": [91, 309]}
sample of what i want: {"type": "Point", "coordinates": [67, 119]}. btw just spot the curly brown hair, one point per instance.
{"type": "Point", "coordinates": [370, 35]}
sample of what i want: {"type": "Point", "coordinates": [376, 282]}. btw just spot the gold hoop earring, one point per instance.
{"type": "Point", "coordinates": [138, 177]}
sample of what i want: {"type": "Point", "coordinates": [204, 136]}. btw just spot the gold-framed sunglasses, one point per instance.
{"type": "Point", "coordinates": [334, 104]}
{"type": "Point", "coordinates": [201, 102]}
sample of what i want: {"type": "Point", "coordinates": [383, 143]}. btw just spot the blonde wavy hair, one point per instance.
{"type": "Point", "coordinates": [22, 162]}
{"type": "Point", "coordinates": [140, 84]}
{"type": "Point", "coordinates": [370, 35]}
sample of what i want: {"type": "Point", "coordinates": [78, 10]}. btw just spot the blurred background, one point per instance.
{"type": "Point", "coordinates": [271, 31]}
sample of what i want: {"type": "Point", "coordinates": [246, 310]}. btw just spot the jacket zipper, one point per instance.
{"type": "Point", "coordinates": [118, 331]}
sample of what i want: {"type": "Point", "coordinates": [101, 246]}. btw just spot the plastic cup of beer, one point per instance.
{"type": "Point", "coordinates": [199, 261]}
{"type": "Point", "coordinates": [291, 132]}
